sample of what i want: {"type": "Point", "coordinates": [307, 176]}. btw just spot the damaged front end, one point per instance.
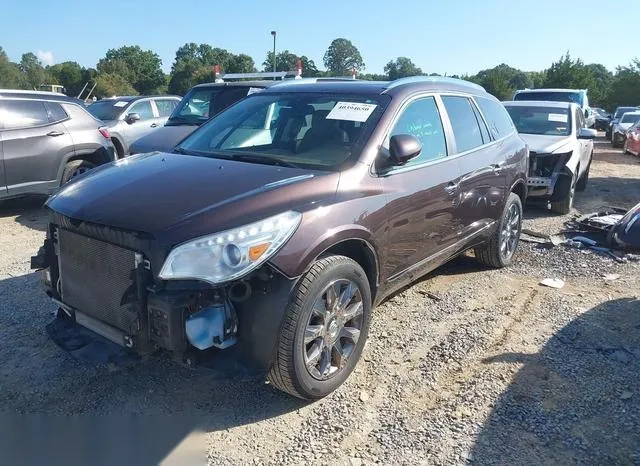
{"type": "Point", "coordinates": [106, 285]}
{"type": "Point", "coordinates": [544, 171]}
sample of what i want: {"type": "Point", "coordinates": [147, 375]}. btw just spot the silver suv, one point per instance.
{"type": "Point", "coordinates": [45, 140]}
{"type": "Point", "coordinates": [130, 118]}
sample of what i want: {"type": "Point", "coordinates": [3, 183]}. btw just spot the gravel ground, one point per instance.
{"type": "Point", "coordinates": [497, 369]}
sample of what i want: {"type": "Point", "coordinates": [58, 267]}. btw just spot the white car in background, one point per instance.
{"type": "Point", "coordinates": [576, 96]}
{"type": "Point", "coordinates": [561, 148]}
{"type": "Point", "coordinates": [620, 128]}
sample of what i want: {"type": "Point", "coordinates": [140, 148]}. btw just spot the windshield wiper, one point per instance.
{"type": "Point", "coordinates": [255, 158]}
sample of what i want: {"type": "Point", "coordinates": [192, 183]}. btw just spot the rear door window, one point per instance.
{"type": "Point", "coordinates": [166, 106]}
{"type": "Point", "coordinates": [498, 119]}
{"type": "Point", "coordinates": [23, 114]}
{"type": "Point", "coordinates": [464, 123]}
{"type": "Point", "coordinates": [421, 119]}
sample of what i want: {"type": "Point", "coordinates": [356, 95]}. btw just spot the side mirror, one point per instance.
{"type": "Point", "coordinates": [587, 133]}
{"type": "Point", "coordinates": [132, 118]}
{"type": "Point", "coordinates": [404, 147]}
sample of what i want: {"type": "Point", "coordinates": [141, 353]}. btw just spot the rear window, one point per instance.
{"type": "Point", "coordinates": [553, 96]}
{"type": "Point", "coordinates": [107, 109]}
{"type": "Point", "coordinates": [499, 121]}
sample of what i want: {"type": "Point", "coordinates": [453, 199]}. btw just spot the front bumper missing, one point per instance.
{"type": "Point", "coordinates": [163, 309]}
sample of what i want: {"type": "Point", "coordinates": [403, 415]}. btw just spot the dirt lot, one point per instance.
{"type": "Point", "coordinates": [496, 370]}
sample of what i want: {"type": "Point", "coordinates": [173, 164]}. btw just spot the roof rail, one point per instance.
{"type": "Point", "coordinates": [434, 79]}
{"type": "Point", "coordinates": [289, 82]}
{"type": "Point", "coordinates": [27, 91]}
{"type": "Point", "coordinates": [220, 77]}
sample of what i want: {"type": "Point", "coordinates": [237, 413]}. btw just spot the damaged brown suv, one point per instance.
{"type": "Point", "coordinates": [274, 229]}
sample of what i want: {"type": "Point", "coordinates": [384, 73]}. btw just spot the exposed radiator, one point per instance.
{"type": "Point", "coordinates": [98, 279]}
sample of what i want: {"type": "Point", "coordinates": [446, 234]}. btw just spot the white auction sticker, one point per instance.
{"type": "Point", "coordinates": [558, 117]}
{"type": "Point", "coordinates": [122, 103]}
{"type": "Point", "coordinates": [253, 90]}
{"type": "Point", "coordinates": [351, 111]}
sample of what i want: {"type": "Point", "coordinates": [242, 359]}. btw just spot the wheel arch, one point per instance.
{"type": "Point", "coordinates": [520, 188]}
{"type": "Point", "coordinates": [97, 156]}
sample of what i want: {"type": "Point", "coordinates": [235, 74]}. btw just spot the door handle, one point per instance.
{"type": "Point", "coordinates": [53, 134]}
{"type": "Point", "coordinates": [154, 125]}
{"type": "Point", "coordinates": [451, 188]}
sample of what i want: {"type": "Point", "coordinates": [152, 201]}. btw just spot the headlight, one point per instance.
{"type": "Point", "coordinates": [228, 255]}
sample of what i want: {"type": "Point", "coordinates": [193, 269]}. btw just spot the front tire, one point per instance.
{"type": "Point", "coordinates": [502, 246]}
{"type": "Point", "coordinates": [324, 329]}
{"type": "Point", "coordinates": [584, 180]}
{"type": "Point", "coordinates": [567, 186]}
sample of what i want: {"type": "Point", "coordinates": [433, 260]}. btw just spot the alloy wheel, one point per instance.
{"type": "Point", "coordinates": [510, 232]}
{"type": "Point", "coordinates": [333, 329]}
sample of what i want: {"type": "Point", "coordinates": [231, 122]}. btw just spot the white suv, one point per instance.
{"type": "Point", "coordinates": [576, 96]}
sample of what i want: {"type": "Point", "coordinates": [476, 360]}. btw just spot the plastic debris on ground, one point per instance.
{"type": "Point", "coordinates": [553, 283]}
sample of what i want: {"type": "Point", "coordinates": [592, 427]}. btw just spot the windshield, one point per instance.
{"type": "Point", "coordinates": [622, 110]}
{"type": "Point", "coordinates": [317, 131]}
{"type": "Point", "coordinates": [630, 118]}
{"type": "Point", "coordinates": [107, 109]}
{"type": "Point", "coordinates": [200, 104]}
{"type": "Point", "coordinates": [575, 97]}
{"type": "Point", "coordinates": [549, 121]}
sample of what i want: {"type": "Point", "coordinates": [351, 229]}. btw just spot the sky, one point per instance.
{"type": "Point", "coordinates": [452, 37]}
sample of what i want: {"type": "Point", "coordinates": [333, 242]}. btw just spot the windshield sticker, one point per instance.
{"type": "Point", "coordinates": [559, 117]}
{"type": "Point", "coordinates": [351, 111]}
{"type": "Point", "coordinates": [120, 104]}
{"type": "Point", "coordinates": [253, 90]}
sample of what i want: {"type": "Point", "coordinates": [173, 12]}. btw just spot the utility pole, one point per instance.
{"type": "Point", "coordinates": [273, 33]}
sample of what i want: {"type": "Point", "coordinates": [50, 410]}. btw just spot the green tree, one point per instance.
{"type": "Point", "coordinates": [570, 74]}
{"type": "Point", "coordinates": [194, 64]}
{"type": "Point", "coordinates": [32, 69]}
{"type": "Point", "coordinates": [602, 82]}
{"type": "Point", "coordinates": [625, 86]}
{"type": "Point", "coordinates": [108, 85]}
{"type": "Point", "coordinates": [140, 68]}
{"type": "Point", "coordinates": [372, 77]}
{"type": "Point", "coordinates": [69, 74]}
{"type": "Point", "coordinates": [537, 78]}
{"type": "Point", "coordinates": [401, 68]}
{"type": "Point", "coordinates": [502, 81]}
{"type": "Point", "coordinates": [288, 61]}
{"type": "Point", "coordinates": [10, 75]}
{"type": "Point", "coordinates": [342, 57]}
{"type": "Point", "coordinates": [240, 63]}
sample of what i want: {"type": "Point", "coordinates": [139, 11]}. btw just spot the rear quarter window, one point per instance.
{"type": "Point", "coordinates": [56, 112]}
{"type": "Point", "coordinates": [496, 116]}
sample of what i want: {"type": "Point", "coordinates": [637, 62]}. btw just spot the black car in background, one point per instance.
{"type": "Point", "coordinates": [603, 118]}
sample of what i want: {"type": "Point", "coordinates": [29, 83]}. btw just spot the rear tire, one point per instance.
{"type": "Point", "coordinates": [75, 168]}
{"type": "Point", "coordinates": [567, 186]}
{"type": "Point", "coordinates": [494, 253]}
{"type": "Point", "coordinates": [310, 327]}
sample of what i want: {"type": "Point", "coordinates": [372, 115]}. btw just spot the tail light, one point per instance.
{"type": "Point", "coordinates": [105, 132]}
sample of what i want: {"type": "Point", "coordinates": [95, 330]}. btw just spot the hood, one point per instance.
{"type": "Point", "coordinates": [185, 196]}
{"type": "Point", "coordinates": [543, 144]}
{"type": "Point", "coordinates": [624, 126]}
{"type": "Point", "coordinates": [163, 139]}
